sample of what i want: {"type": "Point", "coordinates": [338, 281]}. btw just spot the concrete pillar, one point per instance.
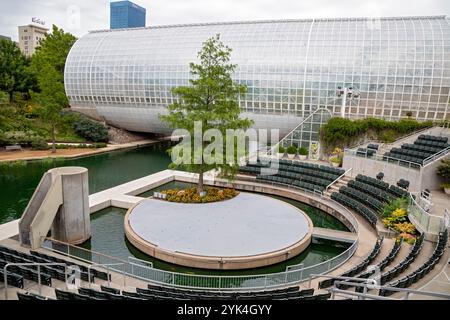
{"type": "Point", "coordinates": [72, 223]}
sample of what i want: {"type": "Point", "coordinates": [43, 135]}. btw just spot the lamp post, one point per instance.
{"type": "Point", "coordinates": [349, 93]}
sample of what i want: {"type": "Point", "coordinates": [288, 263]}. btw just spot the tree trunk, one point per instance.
{"type": "Point", "coordinates": [53, 139]}
{"type": "Point", "coordinates": [11, 96]}
{"type": "Point", "coordinates": [200, 182]}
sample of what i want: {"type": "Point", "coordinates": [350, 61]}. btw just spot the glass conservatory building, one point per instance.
{"type": "Point", "coordinates": [291, 67]}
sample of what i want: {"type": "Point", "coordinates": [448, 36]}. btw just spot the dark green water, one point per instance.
{"type": "Point", "coordinates": [18, 182]}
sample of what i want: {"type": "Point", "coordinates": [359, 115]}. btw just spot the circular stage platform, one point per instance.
{"type": "Point", "coordinates": [247, 231]}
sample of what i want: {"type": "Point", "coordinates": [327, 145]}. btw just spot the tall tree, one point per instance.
{"type": "Point", "coordinates": [15, 75]}
{"type": "Point", "coordinates": [53, 50]}
{"type": "Point", "coordinates": [51, 99]}
{"type": "Point", "coordinates": [210, 100]}
{"type": "Point", "coordinates": [48, 64]}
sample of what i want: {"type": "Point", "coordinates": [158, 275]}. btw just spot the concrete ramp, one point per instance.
{"type": "Point", "coordinates": [60, 203]}
{"type": "Point", "coordinates": [335, 235]}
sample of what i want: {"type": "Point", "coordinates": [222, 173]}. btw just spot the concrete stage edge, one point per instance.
{"type": "Point", "coordinates": [186, 247]}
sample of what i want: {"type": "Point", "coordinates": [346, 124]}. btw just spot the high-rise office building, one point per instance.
{"type": "Point", "coordinates": [30, 37]}
{"type": "Point", "coordinates": [126, 14]}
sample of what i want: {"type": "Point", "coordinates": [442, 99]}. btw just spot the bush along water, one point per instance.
{"type": "Point", "coordinates": [91, 130]}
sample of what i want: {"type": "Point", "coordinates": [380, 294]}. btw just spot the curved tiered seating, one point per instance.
{"type": "Point", "coordinates": [424, 147]}
{"type": "Point", "coordinates": [368, 214]}
{"type": "Point", "coordinates": [304, 175]}
{"type": "Point", "coordinates": [356, 270]}
{"type": "Point", "coordinates": [388, 276]}
{"type": "Point", "coordinates": [363, 198]}
{"type": "Point", "coordinates": [166, 293]}
{"type": "Point", "coordinates": [419, 273]}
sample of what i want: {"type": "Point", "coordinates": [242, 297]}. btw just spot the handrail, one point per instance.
{"type": "Point", "coordinates": [107, 265]}
{"type": "Point", "coordinates": [311, 276]}
{"type": "Point", "coordinates": [422, 219]}
{"type": "Point", "coordinates": [38, 264]}
{"type": "Point", "coordinates": [272, 149]}
{"type": "Point", "coordinates": [435, 156]}
{"type": "Point", "coordinates": [342, 175]}
{"type": "Point", "coordinates": [389, 288]}
{"type": "Point", "coordinates": [271, 280]}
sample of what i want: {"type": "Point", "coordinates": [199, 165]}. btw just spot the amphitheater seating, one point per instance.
{"type": "Point", "coordinates": [56, 271]}
{"type": "Point", "coordinates": [304, 175]}
{"type": "Point", "coordinates": [28, 296]}
{"type": "Point", "coordinates": [366, 152]}
{"type": "Point", "coordinates": [402, 266]}
{"type": "Point", "coordinates": [356, 270]}
{"type": "Point", "coordinates": [419, 273]}
{"type": "Point", "coordinates": [363, 198]}
{"type": "Point", "coordinates": [424, 147]}
{"type": "Point", "coordinates": [166, 293]}
{"type": "Point", "coordinates": [378, 194]}
{"type": "Point", "coordinates": [368, 214]}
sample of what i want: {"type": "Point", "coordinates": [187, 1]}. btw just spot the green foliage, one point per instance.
{"type": "Point", "coordinates": [341, 132]}
{"type": "Point", "coordinates": [281, 149]}
{"type": "Point", "coordinates": [302, 151]}
{"type": "Point", "coordinates": [399, 203]}
{"type": "Point", "coordinates": [15, 75]}
{"type": "Point", "coordinates": [53, 51]}
{"type": "Point", "coordinates": [212, 100]}
{"type": "Point", "coordinates": [90, 130]}
{"type": "Point", "coordinates": [291, 149]}
{"type": "Point", "coordinates": [39, 144]}
{"type": "Point", "coordinates": [444, 169]}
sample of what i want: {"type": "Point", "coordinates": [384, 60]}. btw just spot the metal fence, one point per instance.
{"type": "Point", "coordinates": [192, 281]}
{"type": "Point", "coordinates": [423, 220]}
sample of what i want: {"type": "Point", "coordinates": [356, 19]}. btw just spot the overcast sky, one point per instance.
{"type": "Point", "coordinates": [80, 16]}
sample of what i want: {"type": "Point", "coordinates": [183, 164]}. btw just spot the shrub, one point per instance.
{"type": "Point", "coordinates": [444, 169]}
{"type": "Point", "coordinates": [291, 150]}
{"type": "Point", "coordinates": [405, 227]}
{"type": "Point", "coordinates": [91, 130]}
{"type": "Point", "coordinates": [340, 131]}
{"type": "Point", "coordinates": [39, 144]}
{"type": "Point", "coordinates": [399, 203]}
{"type": "Point", "coordinates": [302, 151]}
{"type": "Point", "coordinates": [281, 149]}
{"type": "Point", "coordinates": [100, 145]}
{"type": "Point", "coordinates": [191, 195]}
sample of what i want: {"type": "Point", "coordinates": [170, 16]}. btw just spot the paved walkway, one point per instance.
{"type": "Point", "coordinates": [441, 201]}
{"type": "Point", "coordinates": [68, 153]}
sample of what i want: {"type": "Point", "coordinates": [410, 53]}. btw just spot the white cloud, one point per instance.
{"type": "Point", "coordinates": [94, 14]}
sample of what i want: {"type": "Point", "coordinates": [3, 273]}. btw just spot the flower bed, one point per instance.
{"type": "Point", "coordinates": [191, 195]}
{"type": "Point", "coordinates": [395, 217]}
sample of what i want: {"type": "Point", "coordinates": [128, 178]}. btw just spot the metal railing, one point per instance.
{"type": "Point", "coordinates": [423, 220]}
{"type": "Point", "coordinates": [206, 282]}
{"type": "Point", "coordinates": [367, 286]}
{"type": "Point", "coordinates": [338, 178]}
{"type": "Point", "coordinates": [436, 156]}
{"type": "Point", "coordinates": [5, 272]}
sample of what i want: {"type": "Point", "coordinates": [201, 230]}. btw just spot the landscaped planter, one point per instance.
{"type": "Point", "coordinates": [335, 164]}
{"type": "Point", "coordinates": [301, 157]}
{"type": "Point", "coordinates": [291, 156]}
{"type": "Point", "coordinates": [280, 155]}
